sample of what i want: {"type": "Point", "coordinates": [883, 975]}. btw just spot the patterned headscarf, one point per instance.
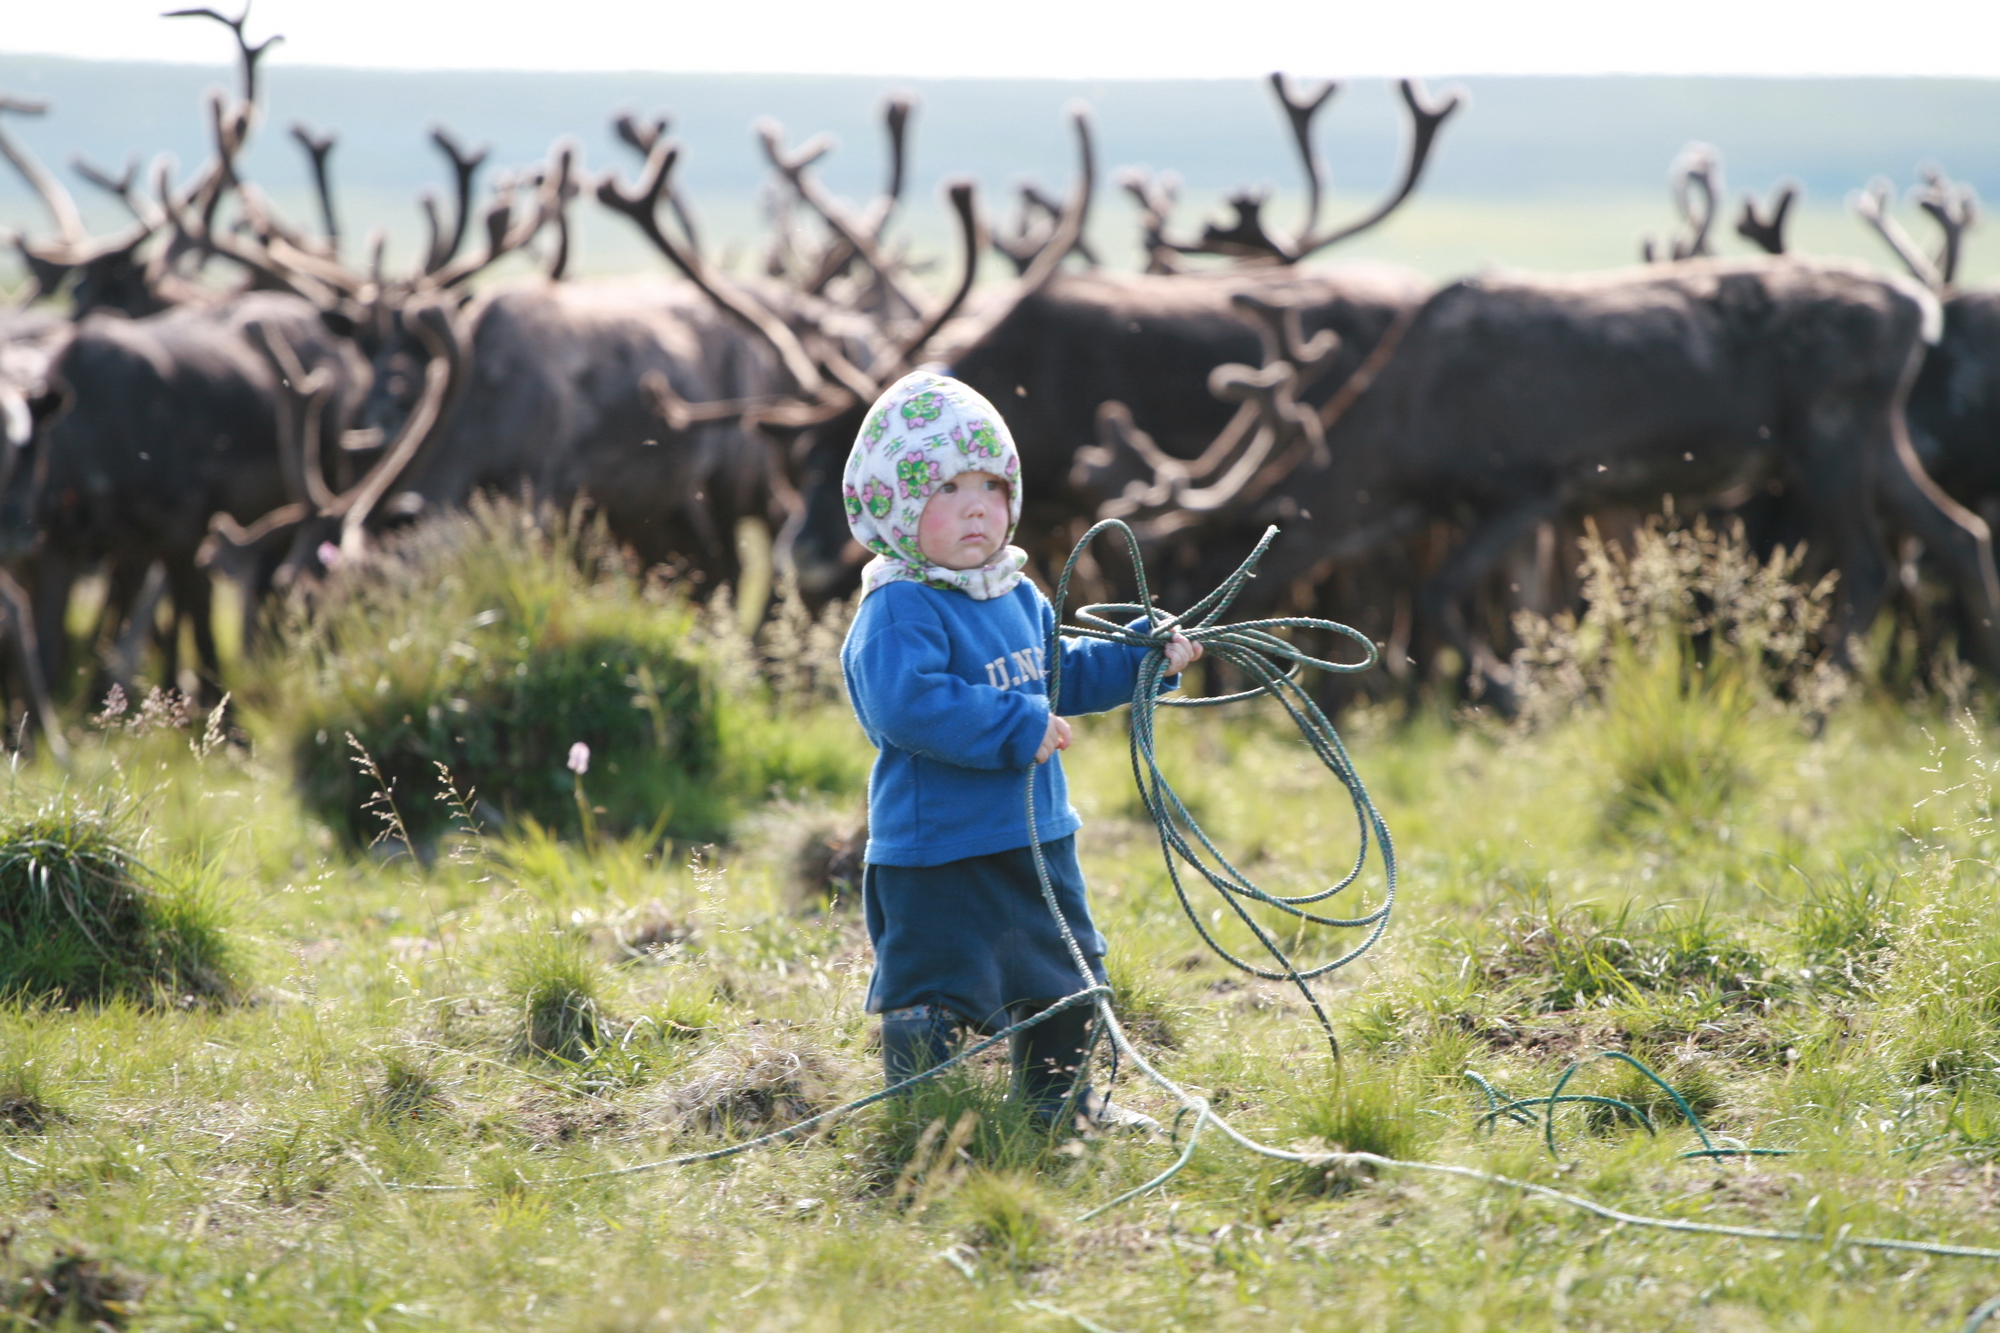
{"type": "Point", "coordinates": [924, 430]}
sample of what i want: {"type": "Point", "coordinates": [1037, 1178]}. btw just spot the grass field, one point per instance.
{"type": "Point", "coordinates": [1785, 911]}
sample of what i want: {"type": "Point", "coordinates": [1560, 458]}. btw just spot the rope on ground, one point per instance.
{"type": "Point", "coordinates": [1253, 648]}
{"type": "Point", "coordinates": [1516, 1109]}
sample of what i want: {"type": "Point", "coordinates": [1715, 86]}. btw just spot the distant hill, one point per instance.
{"type": "Point", "coordinates": [1549, 172]}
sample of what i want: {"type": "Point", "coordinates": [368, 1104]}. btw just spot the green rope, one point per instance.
{"type": "Point", "coordinates": [1516, 1109]}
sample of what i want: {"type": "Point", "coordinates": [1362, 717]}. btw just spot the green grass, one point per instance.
{"type": "Point", "coordinates": [1811, 961]}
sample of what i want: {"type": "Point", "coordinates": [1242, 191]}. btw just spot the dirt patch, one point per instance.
{"type": "Point", "coordinates": [73, 1289]}
{"type": "Point", "coordinates": [25, 1113]}
{"type": "Point", "coordinates": [546, 1118]}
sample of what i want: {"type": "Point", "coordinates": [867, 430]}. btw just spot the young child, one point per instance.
{"type": "Point", "coordinates": [945, 664]}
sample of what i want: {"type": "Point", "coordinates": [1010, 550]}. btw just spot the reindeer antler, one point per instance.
{"type": "Point", "coordinates": [1299, 111]}
{"type": "Point", "coordinates": [1247, 237]}
{"type": "Point", "coordinates": [1954, 206]}
{"type": "Point", "coordinates": [464, 167]}
{"type": "Point", "coordinates": [1156, 196]}
{"type": "Point", "coordinates": [857, 236]}
{"type": "Point", "coordinates": [1873, 204]}
{"type": "Point", "coordinates": [1695, 180]}
{"type": "Point", "coordinates": [641, 205]}
{"type": "Point", "coordinates": [319, 149]}
{"type": "Point", "coordinates": [249, 54]}
{"type": "Point", "coordinates": [1767, 231]}
{"type": "Point", "coordinates": [62, 208]}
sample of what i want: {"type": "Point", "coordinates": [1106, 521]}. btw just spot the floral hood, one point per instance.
{"type": "Point", "coordinates": [924, 430]}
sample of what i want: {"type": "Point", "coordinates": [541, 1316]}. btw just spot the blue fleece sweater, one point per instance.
{"type": "Point", "coordinates": [954, 693]}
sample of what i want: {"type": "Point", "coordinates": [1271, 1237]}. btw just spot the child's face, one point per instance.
{"type": "Point", "coordinates": [965, 521]}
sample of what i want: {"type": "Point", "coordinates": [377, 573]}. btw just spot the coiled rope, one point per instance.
{"type": "Point", "coordinates": [1274, 664]}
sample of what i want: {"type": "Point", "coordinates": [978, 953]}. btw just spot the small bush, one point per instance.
{"type": "Point", "coordinates": [494, 641]}
{"type": "Point", "coordinates": [553, 985]}
{"type": "Point", "coordinates": [83, 920]}
{"type": "Point", "coordinates": [1687, 593]}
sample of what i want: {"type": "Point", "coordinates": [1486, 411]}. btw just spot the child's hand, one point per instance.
{"type": "Point", "coordinates": [1181, 653]}
{"type": "Point", "coordinates": [1055, 738]}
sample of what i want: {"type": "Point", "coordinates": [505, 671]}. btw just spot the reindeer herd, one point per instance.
{"type": "Point", "coordinates": [229, 394]}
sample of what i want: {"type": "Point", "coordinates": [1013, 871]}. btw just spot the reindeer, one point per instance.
{"type": "Point", "coordinates": [1516, 399]}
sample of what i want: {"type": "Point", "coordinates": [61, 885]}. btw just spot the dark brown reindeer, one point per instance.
{"type": "Point", "coordinates": [1516, 399]}
{"type": "Point", "coordinates": [117, 447]}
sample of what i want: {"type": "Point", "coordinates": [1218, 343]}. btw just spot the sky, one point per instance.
{"type": "Point", "coordinates": [1097, 39]}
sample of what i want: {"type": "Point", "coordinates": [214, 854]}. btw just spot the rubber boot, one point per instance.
{"type": "Point", "coordinates": [915, 1039]}
{"type": "Point", "coordinates": [1048, 1060]}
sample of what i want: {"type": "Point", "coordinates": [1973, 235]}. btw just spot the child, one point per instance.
{"type": "Point", "coordinates": [945, 664]}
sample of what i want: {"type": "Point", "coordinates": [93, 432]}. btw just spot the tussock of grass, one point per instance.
{"type": "Point", "coordinates": [829, 861]}
{"type": "Point", "coordinates": [493, 641]}
{"type": "Point", "coordinates": [82, 919]}
{"type": "Point", "coordinates": [408, 1089]}
{"type": "Point", "coordinates": [1365, 1106]}
{"type": "Point", "coordinates": [1577, 956]}
{"type": "Point", "coordinates": [1681, 747]}
{"type": "Point", "coordinates": [554, 985]}
{"type": "Point", "coordinates": [1008, 1218]}
{"type": "Point", "coordinates": [773, 1077]}
{"type": "Point", "coordinates": [964, 1117]}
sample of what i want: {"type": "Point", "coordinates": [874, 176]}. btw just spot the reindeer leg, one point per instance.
{"type": "Point", "coordinates": [53, 579]}
{"type": "Point", "coordinates": [1963, 547]}
{"type": "Point", "coordinates": [1440, 607]}
{"type": "Point", "coordinates": [20, 616]}
{"type": "Point", "coordinates": [194, 601]}
{"type": "Point", "coordinates": [130, 618]}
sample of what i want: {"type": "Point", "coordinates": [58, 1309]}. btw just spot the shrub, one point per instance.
{"type": "Point", "coordinates": [1690, 594]}
{"type": "Point", "coordinates": [83, 920]}
{"type": "Point", "coordinates": [485, 645]}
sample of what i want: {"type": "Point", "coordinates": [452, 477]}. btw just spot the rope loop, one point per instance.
{"type": "Point", "coordinates": [1256, 650]}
